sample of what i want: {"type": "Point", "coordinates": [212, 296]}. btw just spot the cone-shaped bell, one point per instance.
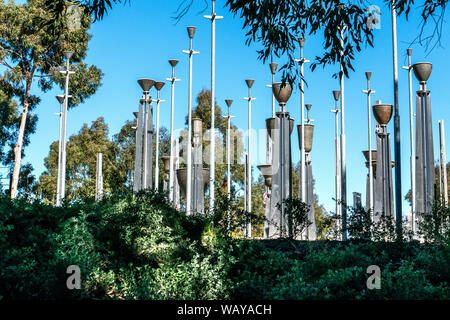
{"type": "Point", "coordinates": [159, 85]}
{"type": "Point", "coordinates": [182, 178]}
{"type": "Point", "coordinates": [250, 82]}
{"type": "Point", "coordinates": [422, 71]}
{"type": "Point", "coordinates": [273, 67]}
{"type": "Point", "coordinates": [136, 114]}
{"type": "Point", "coordinates": [68, 54]}
{"type": "Point", "coordinates": [60, 98]}
{"type": "Point", "coordinates": [228, 102]}
{"type": "Point", "coordinates": [191, 32]}
{"type": "Point", "coordinates": [383, 113]}
{"type": "Point", "coordinates": [366, 154]}
{"type": "Point", "coordinates": [409, 51]}
{"type": "Point", "coordinates": [282, 91]}
{"type": "Point", "coordinates": [270, 125]}
{"type": "Point", "coordinates": [308, 106]}
{"type": "Point", "coordinates": [166, 161]}
{"type": "Point", "coordinates": [336, 94]}
{"type": "Point", "coordinates": [173, 62]}
{"type": "Point", "coordinates": [146, 84]}
{"type": "Point", "coordinates": [266, 171]}
{"type": "Point", "coordinates": [309, 133]}
{"type": "Point", "coordinates": [301, 40]}
{"type": "Point", "coordinates": [368, 75]}
{"type": "Point", "coordinates": [197, 126]}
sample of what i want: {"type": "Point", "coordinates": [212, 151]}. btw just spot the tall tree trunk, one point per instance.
{"type": "Point", "coordinates": [18, 147]}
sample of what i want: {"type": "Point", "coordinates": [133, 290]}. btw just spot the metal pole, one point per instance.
{"type": "Point", "coordinates": [398, 171]}
{"type": "Point", "coordinates": [212, 165]}
{"type": "Point", "coordinates": [191, 52]}
{"type": "Point", "coordinates": [60, 99]}
{"type": "Point", "coordinates": [249, 153]}
{"type": "Point", "coordinates": [444, 160]}
{"type": "Point", "coordinates": [158, 86]}
{"type": "Point", "coordinates": [99, 178]}
{"type": "Point", "coordinates": [411, 137]}
{"type": "Point", "coordinates": [173, 63]}
{"type": "Point", "coordinates": [229, 102]}
{"type": "Point", "coordinates": [369, 128]}
{"type": "Point", "coordinates": [336, 95]}
{"type": "Point", "coordinates": [68, 55]}
{"type": "Point", "coordinates": [273, 69]}
{"type": "Point", "coordinates": [302, 61]}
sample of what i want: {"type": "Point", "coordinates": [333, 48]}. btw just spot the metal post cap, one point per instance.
{"type": "Point", "coordinates": [197, 126]}
{"type": "Point", "coordinates": [366, 154]}
{"type": "Point", "coordinates": [173, 62]}
{"type": "Point", "coordinates": [282, 91]}
{"type": "Point", "coordinates": [422, 71]}
{"type": "Point", "coordinates": [302, 41]}
{"type": "Point", "coordinates": [159, 85]}
{"type": "Point", "coordinates": [273, 67]}
{"type": "Point", "coordinates": [308, 106]}
{"type": "Point", "coordinates": [191, 32]}
{"type": "Point", "coordinates": [409, 51]}
{"type": "Point", "coordinates": [146, 84]}
{"type": "Point", "coordinates": [336, 94]}
{"type": "Point", "coordinates": [60, 98]}
{"type": "Point", "coordinates": [136, 114]}
{"type": "Point", "coordinates": [228, 102]}
{"type": "Point", "coordinates": [249, 82]}
{"type": "Point", "coordinates": [368, 75]}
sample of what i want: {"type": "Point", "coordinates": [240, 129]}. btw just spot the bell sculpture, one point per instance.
{"type": "Point", "coordinates": [310, 232]}
{"type": "Point", "coordinates": [266, 171]}
{"type": "Point", "coordinates": [425, 175]}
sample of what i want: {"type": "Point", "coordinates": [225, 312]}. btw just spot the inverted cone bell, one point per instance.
{"type": "Point", "coordinates": [368, 75]}
{"type": "Point", "coordinates": [308, 106]}
{"type": "Point", "coordinates": [146, 84]}
{"type": "Point", "coordinates": [273, 67]}
{"type": "Point", "coordinates": [159, 85]}
{"type": "Point", "coordinates": [229, 102]}
{"type": "Point", "coordinates": [270, 125]}
{"type": "Point", "coordinates": [166, 162]}
{"type": "Point", "coordinates": [250, 82]}
{"type": "Point", "coordinates": [266, 171]}
{"type": "Point", "coordinates": [173, 62]}
{"type": "Point", "coordinates": [136, 114]}
{"type": "Point", "coordinates": [336, 94]}
{"type": "Point", "coordinates": [301, 41]}
{"type": "Point", "coordinates": [383, 113]}
{"type": "Point", "coordinates": [422, 71]}
{"type": "Point", "coordinates": [191, 32]}
{"type": "Point", "coordinates": [309, 133]}
{"type": "Point", "coordinates": [282, 91]}
{"type": "Point", "coordinates": [366, 154]}
{"type": "Point", "coordinates": [68, 54]}
{"type": "Point", "coordinates": [60, 98]}
{"type": "Point", "coordinates": [197, 126]}
{"type": "Point", "coordinates": [182, 178]}
{"type": "Point", "coordinates": [409, 51]}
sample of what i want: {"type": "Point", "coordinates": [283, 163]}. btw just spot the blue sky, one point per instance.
{"type": "Point", "coordinates": [136, 40]}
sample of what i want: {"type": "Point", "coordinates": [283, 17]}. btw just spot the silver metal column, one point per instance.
{"type": "Point", "coordinates": [158, 85]}
{"type": "Point", "coordinates": [369, 129]}
{"type": "Point", "coordinates": [99, 178]}
{"type": "Point", "coordinates": [172, 177]}
{"type": "Point", "coordinates": [137, 177]}
{"type": "Point", "coordinates": [425, 175]}
{"type": "Point", "coordinates": [339, 213]}
{"type": "Point", "coordinates": [197, 183]}
{"type": "Point", "coordinates": [191, 52]}
{"type": "Point", "coordinates": [60, 99]}
{"type": "Point", "coordinates": [443, 164]}
{"type": "Point", "coordinates": [249, 83]}
{"type": "Point", "coordinates": [213, 17]}
{"type": "Point", "coordinates": [229, 102]}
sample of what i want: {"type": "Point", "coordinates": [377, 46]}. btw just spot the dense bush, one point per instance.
{"type": "Point", "coordinates": [138, 247]}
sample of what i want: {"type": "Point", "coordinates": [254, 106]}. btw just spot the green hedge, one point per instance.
{"type": "Point", "coordinates": [138, 247]}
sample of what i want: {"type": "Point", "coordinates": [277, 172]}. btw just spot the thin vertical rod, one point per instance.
{"type": "Point", "coordinates": [398, 172]}
{"type": "Point", "coordinates": [369, 127]}
{"type": "Point", "coordinates": [189, 140]}
{"type": "Point", "coordinates": [249, 170]}
{"type": "Point", "coordinates": [302, 147]}
{"type": "Point", "coordinates": [64, 145]}
{"type": "Point", "coordinates": [440, 163]}
{"type": "Point", "coordinates": [157, 142]}
{"type": "Point", "coordinates": [444, 164]}
{"type": "Point", "coordinates": [172, 142]}
{"type": "Point", "coordinates": [58, 184]}
{"type": "Point", "coordinates": [273, 98]}
{"type": "Point", "coordinates": [145, 153]}
{"type": "Point", "coordinates": [229, 170]}
{"type": "Point", "coordinates": [343, 148]}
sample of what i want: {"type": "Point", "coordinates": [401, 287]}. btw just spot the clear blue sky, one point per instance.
{"type": "Point", "coordinates": [136, 40]}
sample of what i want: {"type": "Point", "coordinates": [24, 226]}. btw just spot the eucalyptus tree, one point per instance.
{"type": "Point", "coordinates": [32, 47]}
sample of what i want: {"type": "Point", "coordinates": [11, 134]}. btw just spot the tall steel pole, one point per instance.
{"type": "Point", "coordinates": [343, 146]}
{"type": "Point", "coordinates": [212, 165]}
{"type": "Point", "coordinates": [411, 137]}
{"type": "Point", "coordinates": [369, 128]}
{"type": "Point", "coordinates": [229, 102]}
{"type": "Point", "coordinates": [302, 61]}
{"type": "Point", "coordinates": [158, 85]}
{"type": "Point", "coordinates": [443, 164]}
{"type": "Point", "coordinates": [249, 151]}
{"type": "Point", "coordinates": [173, 63]}
{"type": "Point", "coordinates": [191, 52]}
{"type": "Point", "coordinates": [99, 178]}
{"type": "Point", "coordinates": [273, 70]}
{"type": "Point", "coordinates": [336, 96]}
{"type": "Point", "coordinates": [60, 99]}
{"type": "Point", "coordinates": [67, 72]}
{"type": "Point", "coordinates": [398, 164]}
